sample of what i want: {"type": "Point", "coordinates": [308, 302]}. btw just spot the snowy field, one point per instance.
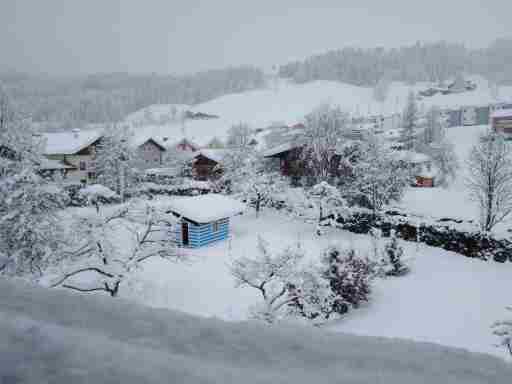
{"type": "Point", "coordinates": [288, 103]}
{"type": "Point", "coordinates": [52, 336]}
{"type": "Point", "coordinates": [447, 299]}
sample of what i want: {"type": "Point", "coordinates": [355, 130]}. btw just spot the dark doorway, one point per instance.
{"type": "Point", "coordinates": [184, 233]}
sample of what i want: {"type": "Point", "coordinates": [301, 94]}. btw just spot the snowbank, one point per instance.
{"type": "Point", "coordinates": [54, 336]}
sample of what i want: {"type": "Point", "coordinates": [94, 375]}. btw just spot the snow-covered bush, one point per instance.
{"type": "Point", "coordinates": [312, 297]}
{"type": "Point", "coordinates": [271, 273]}
{"type": "Point", "coordinates": [328, 201]}
{"type": "Point", "coordinates": [349, 277]}
{"type": "Point", "coordinates": [394, 253]}
{"type": "Point", "coordinates": [98, 194]}
{"type": "Point", "coordinates": [503, 329]}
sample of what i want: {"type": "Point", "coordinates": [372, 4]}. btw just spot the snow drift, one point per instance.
{"type": "Point", "coordinates": [54, 336]}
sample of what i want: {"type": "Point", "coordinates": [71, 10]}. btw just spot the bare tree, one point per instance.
{"type": "Point", "coordinates": [323, 130]}
{"type": "Point", "coordinates": [490, 179]}
{"type": "Point", "coordinates": [147, 232]}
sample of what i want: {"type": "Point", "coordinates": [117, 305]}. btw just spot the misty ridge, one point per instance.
{"type": "Point", "coordinates": [60, 102]}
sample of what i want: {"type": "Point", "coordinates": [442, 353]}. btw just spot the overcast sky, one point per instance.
{"type": "Point", "coordinates": [179, 36]}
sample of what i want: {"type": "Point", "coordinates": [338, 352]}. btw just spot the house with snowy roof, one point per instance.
{"type": "Point", "coordinates": [73, 153]}
{"type": "Point", "coordinates": [501, 121]}
{"type": "Point", "coordinates": [203, 220]}
{"type": "Point", "coordinates": [207, 163]}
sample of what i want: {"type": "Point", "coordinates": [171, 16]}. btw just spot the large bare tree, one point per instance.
{"type": "Point", "coordinates": [490, 179]}
{"type": "Point", "coordinates": [323, 130]}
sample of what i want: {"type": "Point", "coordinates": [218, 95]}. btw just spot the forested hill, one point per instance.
{"type": "Point", "coordinates": [72, 101]}
{"type": "Point", "coordinates": [110, 97]}
{"type": "Point", "coordinates": [420, 62]}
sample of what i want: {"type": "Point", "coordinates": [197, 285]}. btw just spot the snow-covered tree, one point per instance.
{"type": "Point", "coordinates": [323, 129]}
{"type": "Point", "coordinates": [435, 126]}
{"type": "Point", "coordinates": [116, 160]}
{"type": "Point", "coordinates": [490, 179]}
{"type": "Point", "coordinates": [503, 329]}
{"type": "Point", "coordinates": [30, 226]}
{"type": "Point", "coordinates": [394, 253]}
{"type": "Point", "coordinates": [239, 135]}
{"type": "Point", "coordinates": [376, 180]}
{"type": "Point", "coordinates": [30, 229]}
{"type": "Point", "coordinates": [271, 274]}
{"type": "Point", "coordinates": [100, 261]}
{"type": "Point", "coordinates": [410, 123]}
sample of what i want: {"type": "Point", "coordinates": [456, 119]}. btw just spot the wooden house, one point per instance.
{"type": "Point", "coordinates": [207, 163]}
{"type": "Point", "coordinates": [203, 220]}
{"type": "Point", "coordinates": [150, 152]}
{"type": "Point", "coordinates": [501, 121]}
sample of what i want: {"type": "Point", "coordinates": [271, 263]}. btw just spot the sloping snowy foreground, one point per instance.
{"type": "Point", "coordinates": [51, 336]}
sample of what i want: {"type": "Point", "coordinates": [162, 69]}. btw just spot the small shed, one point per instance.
{"type": "Point", "coordinates": [204, 219]}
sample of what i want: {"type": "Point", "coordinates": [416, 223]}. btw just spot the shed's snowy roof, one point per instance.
{"type": "Point", "coordinates": [502, 113]}
{"type": "Point", "coordinates": [71, 142]}
{"type": "Point", "coordinates": [206, 208]}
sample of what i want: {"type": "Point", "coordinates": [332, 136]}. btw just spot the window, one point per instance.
{"type": "Point", "coordinates": [83, 165]}
{"type": "Point", "coordinates": [216, 226]}
{"type": "Point", "coordinates": [91, 175]}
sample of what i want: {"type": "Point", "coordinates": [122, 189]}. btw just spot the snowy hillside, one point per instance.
{"type": "Point", "coordinates": [55, 337]}
{"type": "Point", "coordinates": [287, 103]}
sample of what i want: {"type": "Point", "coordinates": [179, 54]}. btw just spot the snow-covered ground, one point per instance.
{"type": "Point", "coordinates": [51, 336]}
{"type": "Point", "coordinates": [288, 103]}
{"type": "Point", "coordinates": [447, 298]}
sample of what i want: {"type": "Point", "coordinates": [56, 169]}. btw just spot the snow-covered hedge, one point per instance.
{"type": "Point", "coordinates": [450, 234]}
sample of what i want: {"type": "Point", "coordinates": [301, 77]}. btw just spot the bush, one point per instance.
{"type": "Point", "coordinates": [349, 278]}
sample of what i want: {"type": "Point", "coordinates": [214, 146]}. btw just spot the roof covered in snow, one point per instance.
{"type": "Point", "coordinates": [70, 142]}
{"type": "Point", "coordinates": [48, 164]}
{"type": "Point", "coordinates": [206, 208]}
{"type": "Point", "coordinates": [285, 147]}
{"type": "Point", "coordinates": [216, 155]}
{"type": "Point", "coordinates": [502, 113]}
{"type": "Point", "coordinates": [411, 157]}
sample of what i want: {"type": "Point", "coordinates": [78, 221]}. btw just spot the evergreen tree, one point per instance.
{"type": "Point", "coordinates": [394, 253]}
{"type": "Point", "coordinates": [410, 123]}
{"type": "Point", "coordinates": [116, 160]}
